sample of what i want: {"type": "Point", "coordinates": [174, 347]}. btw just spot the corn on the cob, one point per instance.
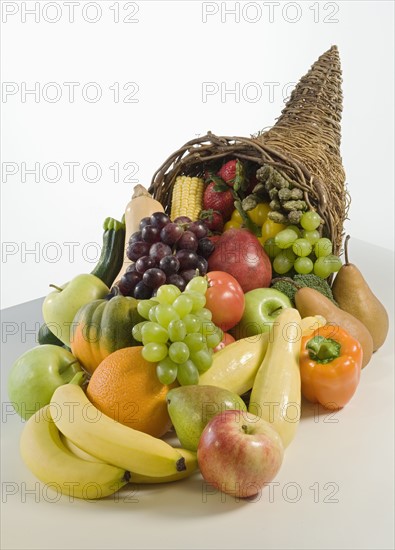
{"type": "Point", "coordinates": [187, 197]}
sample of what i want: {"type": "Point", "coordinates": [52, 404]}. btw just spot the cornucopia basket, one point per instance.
{"type": "Point", "coordinates": [303, 145]}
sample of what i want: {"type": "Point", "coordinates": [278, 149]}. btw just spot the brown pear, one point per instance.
{"type": "Point", "coordinates": [353, 294]}
{"type": "Point", "coordinates": [311, 302]}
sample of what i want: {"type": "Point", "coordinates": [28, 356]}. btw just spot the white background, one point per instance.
{"type": "Point", "coordinates": [170, 53]}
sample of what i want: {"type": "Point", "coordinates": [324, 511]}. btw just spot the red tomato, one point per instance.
{"type": "Point", "coordinates": [226, 340]}
{"type": "Point", "coordinates": [225, 299]}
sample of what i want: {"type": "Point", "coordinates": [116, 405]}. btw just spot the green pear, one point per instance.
{"type": "Point", "coordinates": [191, 407]}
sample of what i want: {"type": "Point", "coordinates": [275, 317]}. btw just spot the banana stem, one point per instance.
{"type": "Point", "coordinates": [180, 464]}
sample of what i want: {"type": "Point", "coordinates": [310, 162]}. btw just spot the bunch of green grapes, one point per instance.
{"type": "Point", "coordinates": [303, 250]}
{"type": "Point", "coordinates": [178, 333]}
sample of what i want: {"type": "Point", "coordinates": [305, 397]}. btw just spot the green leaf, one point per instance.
{"type": "Point", "coordinates": [218, 188]}
{"type": "Point", "coordinates": [216, 179]}
{"type": "Point", "coordinates": [207, 214]}
{"type": "Point", "coordinates": [247, 222]}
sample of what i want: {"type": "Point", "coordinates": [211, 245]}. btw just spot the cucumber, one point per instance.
{"type": "Point", "coordinates": [112, 252]}
{"type": "Point", "coordinates": [46, 336]}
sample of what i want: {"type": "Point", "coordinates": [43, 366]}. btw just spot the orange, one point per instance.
{"type": "Point", "coordinates": [125, 387]}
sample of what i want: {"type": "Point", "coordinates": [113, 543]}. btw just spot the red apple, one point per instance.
{"type": "Point", "coordinates": [239, 253]}
{"type": "Point", "coordinates": [239, 452]}
{"type": "Point", "coordinates": [226, 340]}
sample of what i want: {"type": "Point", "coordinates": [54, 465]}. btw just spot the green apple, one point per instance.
{"type": "Point", "coordinates": [36, 374]}
{"type": "Point", "coordinates": [61, 305]}
{"type": "Point", "coordinates": [262, 306]}
{"type": "Point", "coordinates": [191, 407]}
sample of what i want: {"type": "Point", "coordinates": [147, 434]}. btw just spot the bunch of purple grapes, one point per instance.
{"type": "Point", "coordinates": [165, 252]}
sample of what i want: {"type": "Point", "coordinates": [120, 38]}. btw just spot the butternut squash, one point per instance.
{"type": "Point", "coordinates": [140, 206]}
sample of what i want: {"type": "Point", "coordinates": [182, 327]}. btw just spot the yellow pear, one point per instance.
{"type": "Point", "coordinates": [353, 294]}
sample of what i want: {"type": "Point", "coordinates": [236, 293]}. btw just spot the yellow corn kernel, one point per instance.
{"type": "Point", "coordinates": [187, 197]}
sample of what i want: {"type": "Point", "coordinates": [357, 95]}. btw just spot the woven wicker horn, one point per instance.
{"type": "Point", "coordinates": [303, 145]}
{"type": "Point", "coordinates": [308, 130]}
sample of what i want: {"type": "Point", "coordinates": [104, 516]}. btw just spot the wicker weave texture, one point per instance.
{"type": "Point", "coordinates": [309, 131]}
{"type": "Point", "coordinates": [304, 145]}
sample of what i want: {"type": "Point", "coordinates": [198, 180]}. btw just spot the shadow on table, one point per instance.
{"type": "Point", "coordinates": [191, 497]}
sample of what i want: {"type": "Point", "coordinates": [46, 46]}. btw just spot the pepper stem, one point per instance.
{"type": "Point", "coordinates": [323, 350]}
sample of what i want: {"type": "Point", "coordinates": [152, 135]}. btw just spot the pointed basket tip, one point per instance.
{"type": "Point", "coordinates": [304, 145]}
{"type": "Point", "coordinates": [332, 49]}
{"type": "Point", "coordinates": [318, 90]}
{"type": "Point", "coordinates": [308, 130]}
{"type": "Point", "coordinates": [309, 124]}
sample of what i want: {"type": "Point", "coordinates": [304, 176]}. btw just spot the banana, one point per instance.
{"type": "Point", "coordinates": [50, 461]}
{"type": "Point", "coordinates": [235, 366]}
{"type": "Point", "coordinates": [101, 436]}
{"type": "Point", "coordinates": [190, 461]}
{"type": "Point", "coordinates": [79, 452]}
{"type": "Point", "coordinates": [191, 467]}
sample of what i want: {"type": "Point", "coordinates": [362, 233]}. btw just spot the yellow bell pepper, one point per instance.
{"type": "Point", "coordinates": [232, 224]}
{"type": "Point", "coordinates": [236, 217]}
{"type": "Point", "coordinates": [259, 214]}
{"type": "Point", "coordinates": [270, 229]}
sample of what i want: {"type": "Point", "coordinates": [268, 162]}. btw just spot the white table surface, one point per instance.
{"type": "Point", "coordinates": [334, 490]}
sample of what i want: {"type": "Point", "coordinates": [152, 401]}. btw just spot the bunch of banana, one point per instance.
{"type": "Point", "coordinates": [76, 450]}
{"type": "Point", "coordinates": [48, 458]}
{"type": "Point", "coordinates": [190, 462]}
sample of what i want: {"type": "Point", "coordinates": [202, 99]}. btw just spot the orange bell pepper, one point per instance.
{"type": "Point", "coordinates": [330, 366]}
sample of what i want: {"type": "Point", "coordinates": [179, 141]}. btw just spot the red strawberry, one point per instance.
{"type": "Point", "coordinates": [221, 201]}
{"type": "Point", "coordinates": [228, 171]}
{"type": "Point", "coordinates": [213, 220]}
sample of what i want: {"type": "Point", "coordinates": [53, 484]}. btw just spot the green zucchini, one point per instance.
{"type": "Point", "coordinates": [46, 336]}
{"type": "Point", "coordinates": [112, 252]}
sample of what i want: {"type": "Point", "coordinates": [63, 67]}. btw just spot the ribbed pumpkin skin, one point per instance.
{"type": "Point", "coordinates": [101, 327]}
